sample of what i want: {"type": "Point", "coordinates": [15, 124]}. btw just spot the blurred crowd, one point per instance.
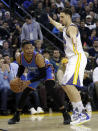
{"type": "Point", "coordinates": [13, 31]}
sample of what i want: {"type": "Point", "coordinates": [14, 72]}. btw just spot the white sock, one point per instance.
{"type": "Point", "coordinates": [80, 106]}
{"type": "Point", "coordinates": [74, 105]}
{"type": "Point", "coordinates": [88, 107]}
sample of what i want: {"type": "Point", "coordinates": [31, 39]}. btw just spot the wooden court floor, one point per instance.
{"type": "Point", "coordinates": [47, 122]}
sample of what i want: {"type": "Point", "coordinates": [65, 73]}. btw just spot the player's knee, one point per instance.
{"type": "Point", "coordinates": [64, 87]}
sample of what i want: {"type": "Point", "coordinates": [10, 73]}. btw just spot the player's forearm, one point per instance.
{"type": "Point", "coordinates": [58, 25]}
{"type": "Point", "coordinates": [42, 74]}
{"type": "Point", "coordinates": [20, 71]}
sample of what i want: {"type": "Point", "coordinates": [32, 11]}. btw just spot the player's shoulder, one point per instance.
{"type": "Point", "coordinates": [40, 61]}
{"type": "Point", "coordinates": [72, 27]}
{"type": "Point", "coordinates": [39, 56]}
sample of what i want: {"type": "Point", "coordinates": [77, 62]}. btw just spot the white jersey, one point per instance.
{"type": "Point", "coordinates": [77, 61]}
{"type": "Point", "coordinates": [69, 45]}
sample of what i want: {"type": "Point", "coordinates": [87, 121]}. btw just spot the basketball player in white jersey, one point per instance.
{"type": "Point", "coordinates": [77, 61]}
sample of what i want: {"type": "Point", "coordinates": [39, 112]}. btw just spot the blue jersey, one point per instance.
{"type": "Point", "coordinates": [30, 66]}
{"type": "Point", "coordinates": [33, 70]}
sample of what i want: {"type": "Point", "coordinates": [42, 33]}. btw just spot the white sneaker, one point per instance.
{"type": "Point", "coordinates": [74, 114]}
{"type": "Point", "coordinates": [33, 111]}
{"type": "Point", "coordinates": [39, 110]}
{"type": "Point", "coordinates": [82, 118]}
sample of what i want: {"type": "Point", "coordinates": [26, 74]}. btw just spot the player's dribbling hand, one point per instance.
{"type": "Point", "coordinates": [26, 83]}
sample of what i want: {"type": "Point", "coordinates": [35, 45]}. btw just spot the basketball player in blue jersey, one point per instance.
{"type": "Point", "coordinates": [39, 69]}
{"type": "Point", "coordinates": [73, 76]}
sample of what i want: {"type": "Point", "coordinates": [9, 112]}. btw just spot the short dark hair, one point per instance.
{"type": "Point", "coordinates": [66, 11]}
{"type": "Point", "coordinates": [5, 41]}
{"type": "Point", "coordinates": [28, 17]}
{"type": "Point", "coordinates": [4, 55]}
{"type": "Point", "coordinates": [45, 51]}
{"type": "Point", "coordinates": [25, 42]}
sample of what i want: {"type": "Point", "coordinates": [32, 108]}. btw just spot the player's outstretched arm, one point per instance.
{"type": "Point", "coordinates": [56, 24]}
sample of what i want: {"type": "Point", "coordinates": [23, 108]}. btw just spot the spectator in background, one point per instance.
{"type": "Point", "coordinates": [6, 26]}
{"type": "Point", "coordinates": [38, 46]}
{"type": "Point", "coordinates": [4, 31]}
{"type": "Point", "coordinates": [33, 5]}
{"type": "Point", "coordinates": [87, 92]}
{"type": "Point", "coordinates": [89, 22]}
{"type": "Point", "coordinates": [74, 14]}
{"type": "Point", "coordinates": [91, 5]}
{"type": "Point", "coordinates": [86, 11]}
{"type": "Point", "coordinates": [55, 30]}
{"type": "Point", "coordinates": [13, 65]}
{"type": "Point", "coordinates": [31, 30]}
{"type": "Point", "coordinates": [77, 21]}
{"type": "Point", "coordinates": [74, 3]}
{"type": "Point", "coordinates": [6, 49]}
{"type": "Point", "coordinates": [1, 22]}
{"type": "Point", "coordinates": [80, 9]}
{"type": "Point", "coordinates": [0, 55]}
{"type": "Point", "coordinates": [55, 60]}
{"type": "Point", "coordinates": [8, 19]}
{"type": "Point", "coordinates": [84, 3]}
{"type": "Point", "coordinates": [95, 78]}
{"type": "Point", "coordinates": [2, 11]}
{"type": "Point", "coordinates": [96, 28]}
{"type": "Point", "coordinates": [43, 17]}
{"type": "Point", "coordinates": [5, 77]}
{"type": "Point", "coordinates": [93, 15]}
{"type": "Point", "coordinates": [96, 6]}
{"type": "Point", "coordinates": [39, 10]}
{"type": "Point", "coordinates": [94, 50]}
{"type": "Point", "coordinates": [93, 37]}
{"type": "Point", "coordinates": [59, 4]}
{"type": "Point", "coordinates": [16, 43]}
{"type": "Point", "coordinates": [53, 7]}
{"type": "Point", "coordinates": [67, 4]}
{"type": "Point", "coordinates": [85, 32]}
{"type": "Point", "coordinates": [46, 3]}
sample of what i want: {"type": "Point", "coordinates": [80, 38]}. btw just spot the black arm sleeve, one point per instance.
{"type": "Point", "coordinates": [42, 74]}
{"type": "Point", "coordinates": [20, 71]}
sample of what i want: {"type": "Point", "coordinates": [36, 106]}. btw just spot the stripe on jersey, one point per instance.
{"type": "Point", "coordinates": [77, 69]}
{"type": "Point", "coordinates": [75, 51]}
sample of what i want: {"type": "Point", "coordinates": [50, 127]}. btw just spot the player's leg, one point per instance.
{"type": "Point", "coordinates": [16, 117]}
{"type": "Point", "coordinates": [57, 96]}
{"type": "Point", "coordinates": [74, 77]}
{"type": "Point", "coordinates": [74, 96]}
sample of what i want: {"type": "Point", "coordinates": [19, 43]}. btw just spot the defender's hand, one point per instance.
{"type": "Point", "coordinates": [50, 19]}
